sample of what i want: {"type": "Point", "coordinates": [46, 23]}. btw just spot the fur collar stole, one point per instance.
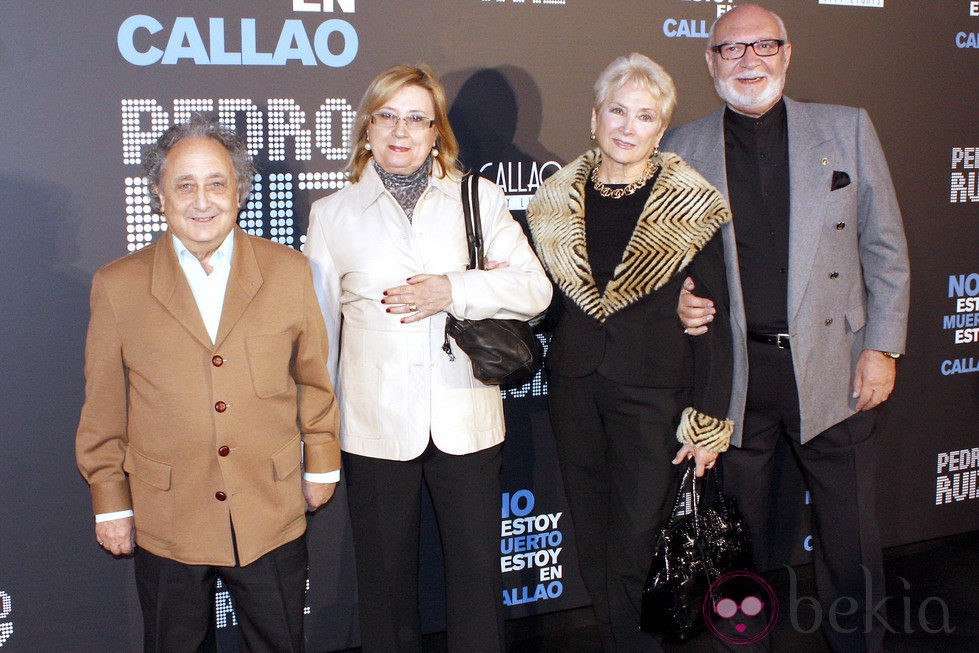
{"type": "Point", "coordinates": [682, 214]}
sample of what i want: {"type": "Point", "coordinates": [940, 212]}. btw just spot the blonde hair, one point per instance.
{"type": "Point", "coordinates": [644, 72]}
{"type": "Point", "coordinates": [380, 91]}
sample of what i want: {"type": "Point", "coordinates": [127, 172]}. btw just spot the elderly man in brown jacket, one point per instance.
{"type": "Point", "coordinates": [210, 424]}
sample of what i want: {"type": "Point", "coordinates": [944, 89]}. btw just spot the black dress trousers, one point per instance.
{"type": "Point", "coordinates": [615, 445]}
{"type": "Point", "coordinates": [839, 469]}
{"type": "Point", "coordinates": [385, 515]}
{"type": "Point", "coordinates": [269, 596]}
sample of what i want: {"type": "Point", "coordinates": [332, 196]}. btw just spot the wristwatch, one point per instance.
{"type": "Point", "coordinates": [891, 354]}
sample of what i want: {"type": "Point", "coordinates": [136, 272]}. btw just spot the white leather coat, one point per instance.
{"type": "Point", "coordinates": [395, 383]}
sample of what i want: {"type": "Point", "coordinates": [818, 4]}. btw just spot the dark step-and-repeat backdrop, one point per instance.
{"type": "Point", "coordinates": [87, 84]}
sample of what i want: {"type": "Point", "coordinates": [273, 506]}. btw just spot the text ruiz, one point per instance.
{"type": "Point", "coordinates": [144, 41]}
{"type": "Point", "coordinates": [956, 476]}
{"type": "Point", "coordinates": [962, 182]}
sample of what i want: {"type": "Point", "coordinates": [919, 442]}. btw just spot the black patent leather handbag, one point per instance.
{"type": "Point", "coordinates": [695, 549]}
{"type": "Point", "coordinates": [502, 352]}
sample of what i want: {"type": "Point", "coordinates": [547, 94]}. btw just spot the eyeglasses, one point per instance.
{"type": "Point", "coordinates": [763, 48]}
{"type": "Point", "coordinates": [413, 121]}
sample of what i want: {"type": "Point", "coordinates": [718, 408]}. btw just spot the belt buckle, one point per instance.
{"type": "Point", "coordinates": [782, 340]}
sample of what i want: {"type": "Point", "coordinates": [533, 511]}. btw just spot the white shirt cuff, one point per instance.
{"type": "Point", "coordinates": [325, 477]}
{"type": "Point", "coordinates": [109, 516]}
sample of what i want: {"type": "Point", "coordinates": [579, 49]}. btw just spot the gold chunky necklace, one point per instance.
{"type": "Point", "coordinates": [619, 193]}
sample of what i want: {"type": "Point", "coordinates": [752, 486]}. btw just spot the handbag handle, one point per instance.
{"type": "Point", "coordinates": [689, 480]}
{"type": "Point", "coordinates": [711, 477]}
{"type": "Point", "coordinates": [681, 493]}
{"type": "Point", "coordinates": [474, 226]}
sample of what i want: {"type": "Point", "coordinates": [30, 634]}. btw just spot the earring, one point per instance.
{"type": "Point", "coordinates": [435, 152]}
{"type": "Point", "coordinates": [656, 151]}
{"type": "Point", "coordinates": [367, 146]}
{"type": "Point", "coordinates": [593, 135]}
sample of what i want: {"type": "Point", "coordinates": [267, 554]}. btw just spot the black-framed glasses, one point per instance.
{"type": "Point", "coordinates": [763, 48]}
{"type": "Point", "coordinates": [413, 121]}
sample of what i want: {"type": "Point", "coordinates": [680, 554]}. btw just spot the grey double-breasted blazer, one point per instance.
{"type": "Point", "coordinates": [848, 282]}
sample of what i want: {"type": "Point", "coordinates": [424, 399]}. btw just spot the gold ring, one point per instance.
{"type": "Point", "coordinates": [412, 307]}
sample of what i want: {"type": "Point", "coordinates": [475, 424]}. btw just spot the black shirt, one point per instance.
{"type": "Point", "coordinates": [609, 224]}
{"type": "Point", "coordinates": [757, 155]}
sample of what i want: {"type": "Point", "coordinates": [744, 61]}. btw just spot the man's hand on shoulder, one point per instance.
{"type": "Point", "coordinates": [317, 494]}
{"type": "Point", "coordinates": [874, 379]}
{"type": "Point", "coordinates": [695, 312]}
{"type": "Point", "coordinates": [117, 536]}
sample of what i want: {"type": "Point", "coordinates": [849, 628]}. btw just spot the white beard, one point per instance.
{"type": "Point", "coordinates": [744, 102]}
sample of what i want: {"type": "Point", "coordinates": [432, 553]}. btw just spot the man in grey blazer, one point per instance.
{"type": "Point", "coordinates": [818, 272]}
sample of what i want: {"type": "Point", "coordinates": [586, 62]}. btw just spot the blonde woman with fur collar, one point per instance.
{"type": "Point", "coordinates": [631, 396]}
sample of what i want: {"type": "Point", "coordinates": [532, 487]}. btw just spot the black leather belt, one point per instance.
{"type": "Point", "coordinates": [780, 340]}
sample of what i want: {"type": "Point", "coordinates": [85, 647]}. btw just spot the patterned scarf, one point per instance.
{"type": "Point", "coordinates": [406, 189]}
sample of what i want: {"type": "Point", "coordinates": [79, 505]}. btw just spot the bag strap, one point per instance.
{"type": "Point", "coordinates": [474, 226]}
{"type": "Point", "coordinates": [712, 479]}
{"type": "Point", "coordinates": [474, 238]}
{"type": "Point", "coordinates": [689, 484]}
{"type": "Point", "coordinates": [712, 483]}
{"type": "Point", "coordinates": [681, 493]}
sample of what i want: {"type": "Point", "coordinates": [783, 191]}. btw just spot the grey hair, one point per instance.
{"type": "Point", "coordinates": [199, 126]}
{"type": "Point", "coordinates": [645, 73]}
{"type": "Point", "coordinates": [783, 33]}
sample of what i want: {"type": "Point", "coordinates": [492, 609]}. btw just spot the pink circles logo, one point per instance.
{"type": "Point", "coordinates": [740, 608]}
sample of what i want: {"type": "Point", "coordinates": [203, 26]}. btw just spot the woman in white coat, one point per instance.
{"type": "Point", "coordinates": [389, 258]}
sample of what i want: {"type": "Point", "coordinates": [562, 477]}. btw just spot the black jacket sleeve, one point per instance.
{"type": "Point", "coordinates": [704, 423]}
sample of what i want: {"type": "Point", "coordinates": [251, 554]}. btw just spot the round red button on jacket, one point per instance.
{"type": "Point", "coordinates": [224, 451]}
{"type": "Point", "coordinates": [220, 496]}
{"type": "Point", "coordinates": [217, 361]}
{"type": "Point", "coordinates": [220, 406]}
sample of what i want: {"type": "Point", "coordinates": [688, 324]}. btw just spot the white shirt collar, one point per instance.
{"type": "Point", "coordinates": [221, 257]}
{"type": "Point", "coordinates": [208, 289]}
